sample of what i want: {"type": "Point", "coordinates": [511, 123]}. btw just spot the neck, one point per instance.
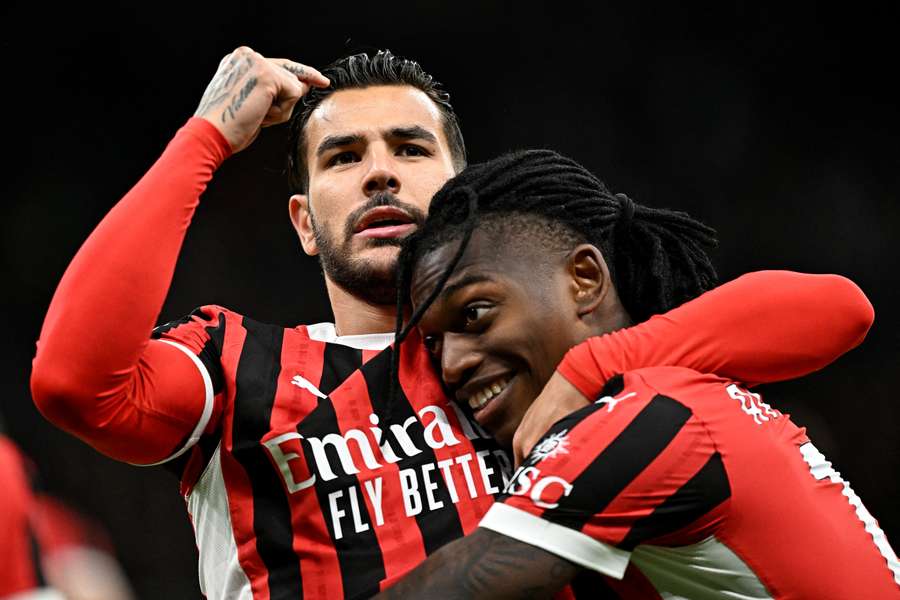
{"type": "Point", "coordinates": [354, 316]}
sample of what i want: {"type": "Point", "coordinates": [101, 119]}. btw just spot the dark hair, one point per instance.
{"type": "Point", "coordinates": [361, 71]}
{"type": "Point", "coordinates": [657, 257]}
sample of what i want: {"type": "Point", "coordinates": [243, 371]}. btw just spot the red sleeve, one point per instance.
{"type": "Point", "coordinates": [18, 570]}
{"type": "Point", "coordinates": [762, 327]}
{"type": "Point", "coordinates": [96, 373]}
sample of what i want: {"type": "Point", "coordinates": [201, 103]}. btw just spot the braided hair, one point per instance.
{"type": "Point", "coordinates": [657, 257]}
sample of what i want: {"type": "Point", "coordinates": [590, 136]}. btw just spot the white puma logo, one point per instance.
{"type": "Point", "coordinates": [612, 402]}
{"type": "Point", "coordinates": [304, 383]}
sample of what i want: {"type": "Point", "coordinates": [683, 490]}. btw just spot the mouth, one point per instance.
{"type": "Point", "coordinates": [487, 399]}
{"type": "Point", "coordinates": [384, 222]}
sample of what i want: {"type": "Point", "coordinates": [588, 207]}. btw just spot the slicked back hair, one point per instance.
{"type": "Point", "coordinates": [657, 257]}
{"type": "Point", "coordinates": [360, 71]}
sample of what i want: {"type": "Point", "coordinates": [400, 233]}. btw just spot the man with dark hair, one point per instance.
{"type": "Point", "coordinates": [673, 483]}
{"type": "Point", "coordinates": [301, 479]}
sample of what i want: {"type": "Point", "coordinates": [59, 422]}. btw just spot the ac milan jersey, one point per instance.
{"type": "Point", "coordinates": [313, 484]}
{"type": "Point", "coordinates": [700, 490]}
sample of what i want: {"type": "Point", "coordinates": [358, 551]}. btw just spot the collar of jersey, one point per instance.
{"type": "Point", "coordinates": [324, 332]}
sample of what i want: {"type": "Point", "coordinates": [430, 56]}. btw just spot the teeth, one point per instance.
{"type": "Point", "coordinates": [481, 397]}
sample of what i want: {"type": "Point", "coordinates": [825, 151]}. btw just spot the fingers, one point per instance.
{"type": "Point", "coordinates": [303, 72]}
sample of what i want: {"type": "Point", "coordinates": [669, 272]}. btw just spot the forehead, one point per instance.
{"type": "Point", "coordinates": [371, 110]}
{"type": "Point", "coordinates": [485, 258]}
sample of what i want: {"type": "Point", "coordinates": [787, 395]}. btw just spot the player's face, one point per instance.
{"type": "Point", "coordinates": [376, 156]}
{"type": "Point", "coordinates": [502, 323]}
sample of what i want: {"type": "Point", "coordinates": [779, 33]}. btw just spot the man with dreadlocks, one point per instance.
{"type": "Point", "coordinates": [300, 477]}
{"type": "Point", "coordinates": [673, 483]}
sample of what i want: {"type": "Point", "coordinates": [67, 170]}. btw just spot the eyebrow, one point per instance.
{"type": "Point", "coordinates": [466, 281]}
{"type": "Point", "coordinates": [338, 141]}
{"type": "Point", "coordinates": [413, 132]}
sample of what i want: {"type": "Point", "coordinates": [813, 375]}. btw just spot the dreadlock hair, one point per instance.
{"type": "Point", "coordinates": [657, 257]}
{"type": "Point", "coordinates": [360, 71]}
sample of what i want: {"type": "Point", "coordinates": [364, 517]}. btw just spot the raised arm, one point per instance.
{"type": "Point", "coordinates": [762, 327]}
{"type": "Point", "coordinates": [96, 372]}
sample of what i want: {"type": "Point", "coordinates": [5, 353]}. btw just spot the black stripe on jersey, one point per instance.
{"type": "Point", "coordinates": [256, 382]}
{"type": "Point", "coordinates": [591, 585]}
{"type": "Point", "coordinates": [613, 387]}
{"type": "Point", "coordinates": [338, 364]}
{"type": "Point", "coordinates": [358, 553]}
{"type": "Point", "coordinates": [210, 354]}
{"type": "Point", "coordinates": [638, 445]}
{"type": "Point", "coordinates": [440, 526]}
{"type": "Point", "coordinates": [703, 492]}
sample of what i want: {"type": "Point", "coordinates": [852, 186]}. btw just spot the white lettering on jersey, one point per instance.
{"type": "Point", "coordinates": [409, 485]}
{"type": "Point", "coordinates": [752, 404]}
{"type": "Point", "coordinates": [437, 434]}
{"type": "Point", "coordinates": [528, 481]}
{"type": "Point", "coordinates": [486, 472]}
{"type": "Point", "coordinates": [282, 459]}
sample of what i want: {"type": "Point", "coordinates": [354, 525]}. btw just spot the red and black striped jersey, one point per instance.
{"type": "Point", "coordinates": [689, 486]}
{"type": "Point", "coordinates": [307, 482]}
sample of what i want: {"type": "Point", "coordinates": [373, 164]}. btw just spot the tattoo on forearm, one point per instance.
{"type": "Point", "coordinates": [238, 100]}
{"type": "Point", "coordinates": [486, 565]}
{"type": "Point", "coordinates": [222, 85]}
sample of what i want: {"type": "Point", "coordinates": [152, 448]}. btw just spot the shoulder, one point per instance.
{"type": "Point", "coordinates": [677, 383]}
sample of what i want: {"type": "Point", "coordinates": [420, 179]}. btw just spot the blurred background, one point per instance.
{"type": "Point", "coordinates": [778, 126]}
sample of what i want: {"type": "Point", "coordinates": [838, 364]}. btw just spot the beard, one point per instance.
{"type": "Point", "coordinates": [371, 282]}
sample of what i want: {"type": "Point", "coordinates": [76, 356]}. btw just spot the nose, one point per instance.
{"type": "Point", "coordinates": [459, 359]}
{"type": "Point", "coordinates": [382, 176]}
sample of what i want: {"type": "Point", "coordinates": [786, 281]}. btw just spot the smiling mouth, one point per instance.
{"type": "Point", "coordinates": [481, 398]}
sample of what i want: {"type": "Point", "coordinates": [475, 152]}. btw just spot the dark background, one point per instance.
{"type": "Point", "coordinates": [778, 126]}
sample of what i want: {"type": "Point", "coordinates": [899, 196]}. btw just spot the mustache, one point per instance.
{"type": "Point", "coordinates": [382, 199]}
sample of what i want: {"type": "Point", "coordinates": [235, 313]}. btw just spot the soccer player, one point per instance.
{"type": "Point", "coordinates": [299, 478]}
{"type": "Point", "coordinates": [48, 551]}
{"type": "Point", "coordinates": [673, 483]}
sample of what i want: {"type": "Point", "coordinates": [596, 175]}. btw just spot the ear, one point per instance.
{"type": "Point", "coordinates": [301, 217]}
{"type": "Point", "coordinates": [589, 278]}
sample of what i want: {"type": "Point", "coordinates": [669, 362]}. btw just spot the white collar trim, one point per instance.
{"type": "Point", "coordinates": [325, 332]}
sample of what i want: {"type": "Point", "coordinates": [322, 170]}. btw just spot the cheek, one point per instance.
{"type": "Point", "coordinates": [425, 185]}
{"type": "Point", "coordinates": [328, 202]}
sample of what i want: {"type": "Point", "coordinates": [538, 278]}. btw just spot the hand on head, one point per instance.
{"type": "Point", "coordinates": [250, 91]}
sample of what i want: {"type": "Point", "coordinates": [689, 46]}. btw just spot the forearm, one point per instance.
{"type": "Point", "coordinates": [98, 324]}
{"type": "Point", "coordinates": [485, 565]}
{"type": "Point", "coordinates": [762, 327]}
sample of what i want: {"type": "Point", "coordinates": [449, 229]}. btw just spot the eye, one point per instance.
{"type": "Point", "coordinates": [474, 312]}
{"type": "Point", "coordinates": [412, 150]}
{"type": "Point", "coordinates": [343, 158]}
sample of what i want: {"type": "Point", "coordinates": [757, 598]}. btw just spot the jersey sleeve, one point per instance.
{"type": "Point", "coordinates": [97, 373]}
{"type": "Point", "coordinates": [762, 327]}
{"type": "Point", "coordinates": [631, 467]}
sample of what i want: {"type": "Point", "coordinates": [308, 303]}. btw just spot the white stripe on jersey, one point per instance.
{"type": "Point", "coordinates": [207, 407]}
{"type": "Point", "coordinates": [221, 575]}
{"type": "Point", "coordinates": [707, 570]}
{"type": "Point", "coordinates": [572, 545]}
{"type": "Point", "coordinates": [821, 468]}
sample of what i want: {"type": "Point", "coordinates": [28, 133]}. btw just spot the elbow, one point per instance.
{"type": "Point", "coordinates": [856, 313]}
{"type": "Point", "coordinates": [55, 395]}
